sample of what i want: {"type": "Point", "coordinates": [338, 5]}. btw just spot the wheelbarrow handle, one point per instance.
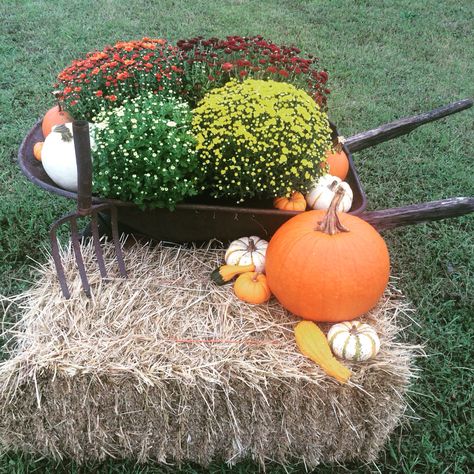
{"type": "Point", "coordinates": [416, 213]}
{"type": "Point", "coordinates": [82, 148]}
{"type": "Point", "coordinates": [402, 126]}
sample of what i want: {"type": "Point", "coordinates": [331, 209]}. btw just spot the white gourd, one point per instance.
{"type": "Point", "coordinates": [321, 194]}
{"type": "Point", "coordinates": [247, 251]}
{"type": "Point", "coordinates": [353, 340]}
{"type": "Point", "coordinates": [58, 156]}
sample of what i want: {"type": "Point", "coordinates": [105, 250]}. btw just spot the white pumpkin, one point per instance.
{"type": "Point", "coordinates": [246, 251]}
{"type": "Point", "coordinates": [58, 156]}
{"type": "Point", "coordinates": [320, 196]}
{"type": "Point", "coordinates": [353, 340]}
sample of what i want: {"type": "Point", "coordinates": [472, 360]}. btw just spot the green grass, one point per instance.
{"type": "Point", "coordinates": [387, 60]}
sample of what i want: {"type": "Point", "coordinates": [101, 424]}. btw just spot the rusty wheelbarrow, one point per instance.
{"type": "Point", "coordinates": [204, 218]}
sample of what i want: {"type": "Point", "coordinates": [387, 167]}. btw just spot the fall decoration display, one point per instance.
{"type": "Point", "coordinates": [259, 139]}
{"type": "Point", "coordinates": [226, 273]}
{"type": "Point", "coordinates": [323, 191]}
{"type": "Point", "coordinates": [353, 340]}
{"type": "Point", "coordinates": [246, 251]}
{"type": "Point", "coordinates": [327, 267]}
{"type": "Point", "coordinates": [312, 343]}
{"type": "Point", "coordinates": [296, 202]}
{"type": "Point", "coordinates": [37, 150]}
{"type": "Point", "coordinates": [54, 116]}
{"type": "Point", "coordinates": [252, 287]}
{"type": "Point", "coordinates": [146, 152]}
{"type": "Point", "coordinates": [337, 160]}
{"type": "Point", "coordinates": [58, 156]}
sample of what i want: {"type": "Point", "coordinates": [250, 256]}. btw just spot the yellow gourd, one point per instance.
{"type": "Point", "coordinates": [312, 343]}
{"type": "Point", "coordinates": [226, 273]}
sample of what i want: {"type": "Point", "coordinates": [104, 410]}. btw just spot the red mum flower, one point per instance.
{"type": "Point", "coordinates": [99, 93]}
{"type": "Point", "coordinates": [227, 66]}
{"type": "Point", "coordinates": [283, 73]}
{"type": "Point", "coordinates": [243, 62]}
{"type": "Point", "coordinates": [324, 76]}
{"type": "Point", "coordinates": [243, 73]}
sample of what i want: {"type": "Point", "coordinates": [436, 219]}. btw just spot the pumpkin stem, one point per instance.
{"type": "Point", "coordinates": [58, 95]}
{"type": "Point", "coordinates": [338, 142]}
{"type": "Point", "coordinates": [66, 135]}
{"type": "Point", "coordinates": [252, 247]}
{"type": "Point", "coordinates": [331, 224]}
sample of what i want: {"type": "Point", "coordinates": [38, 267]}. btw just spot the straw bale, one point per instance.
{"type": "Point", "coordinates": [167, 366]}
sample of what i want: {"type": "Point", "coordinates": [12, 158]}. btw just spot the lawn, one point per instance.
{"type": "Point", "coordinates": [386, 60]}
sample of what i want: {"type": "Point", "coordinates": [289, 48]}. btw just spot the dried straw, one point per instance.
{"type": "Point", "coordinates": [167, 366]}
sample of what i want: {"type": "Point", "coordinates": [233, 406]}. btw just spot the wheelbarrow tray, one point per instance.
{"type": "Point", "coordinates": [204, 218]}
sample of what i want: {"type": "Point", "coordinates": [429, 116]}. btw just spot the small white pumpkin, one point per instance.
{"type": "Point", "coordinates": [321, 194]}
{"type": "Point", "coordinates": [353, 340]}
{"type": "Point", "coordinates": [246, 251]}
{"type": "Point", "coordinates": [58, 156]}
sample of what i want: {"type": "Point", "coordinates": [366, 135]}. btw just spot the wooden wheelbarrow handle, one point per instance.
{"type": "Point", "coordinates": [402, 126]}
{"type": "Point", "coordinates": [416, 213]}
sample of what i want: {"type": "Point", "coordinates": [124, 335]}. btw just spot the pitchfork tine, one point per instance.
{"type": "Point", "coordinates": [98, 249]}
{"type": "Point", "coordinates": [57, 263]}
{"type": "Point", "coordinates": [76, 245]}
{"type": "Point", "coordinates": [116, 239]}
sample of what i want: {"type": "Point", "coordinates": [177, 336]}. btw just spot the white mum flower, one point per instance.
{"type": "Point", "coordinates": [170, 123]}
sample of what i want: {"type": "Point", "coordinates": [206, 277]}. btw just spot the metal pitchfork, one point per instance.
{"type": "Point", "coordinates": [85, 208]}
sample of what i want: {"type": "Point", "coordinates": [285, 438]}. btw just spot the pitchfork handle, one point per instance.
{"type": "Point", "coordinates": [82, 147]}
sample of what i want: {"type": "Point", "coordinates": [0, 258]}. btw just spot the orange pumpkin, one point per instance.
{"type": "Point", "coordinates": [37, 150]}
{"type": "Point", "coordinates": [337, 160]}
{"type": "Point", "coordinates": [54, 116]}
{"type": "Point", "coordinates": [252, 287]}
{"type": "Point", "coordinates": [327, 266]}
{"type": "Point", "coordinates": [296, 202]}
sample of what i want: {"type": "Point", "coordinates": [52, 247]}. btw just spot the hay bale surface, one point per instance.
{"type": "Point", "coordinates": [166, 366]}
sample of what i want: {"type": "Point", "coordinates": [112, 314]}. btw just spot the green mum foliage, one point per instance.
{"type": "Point", "coordinates": [145, 152]}
{"type": "Point", "coordinates": [260, 138]}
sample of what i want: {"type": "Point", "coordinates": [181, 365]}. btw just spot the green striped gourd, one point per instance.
{"type": "Point", "coordinates": [353, 340]}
